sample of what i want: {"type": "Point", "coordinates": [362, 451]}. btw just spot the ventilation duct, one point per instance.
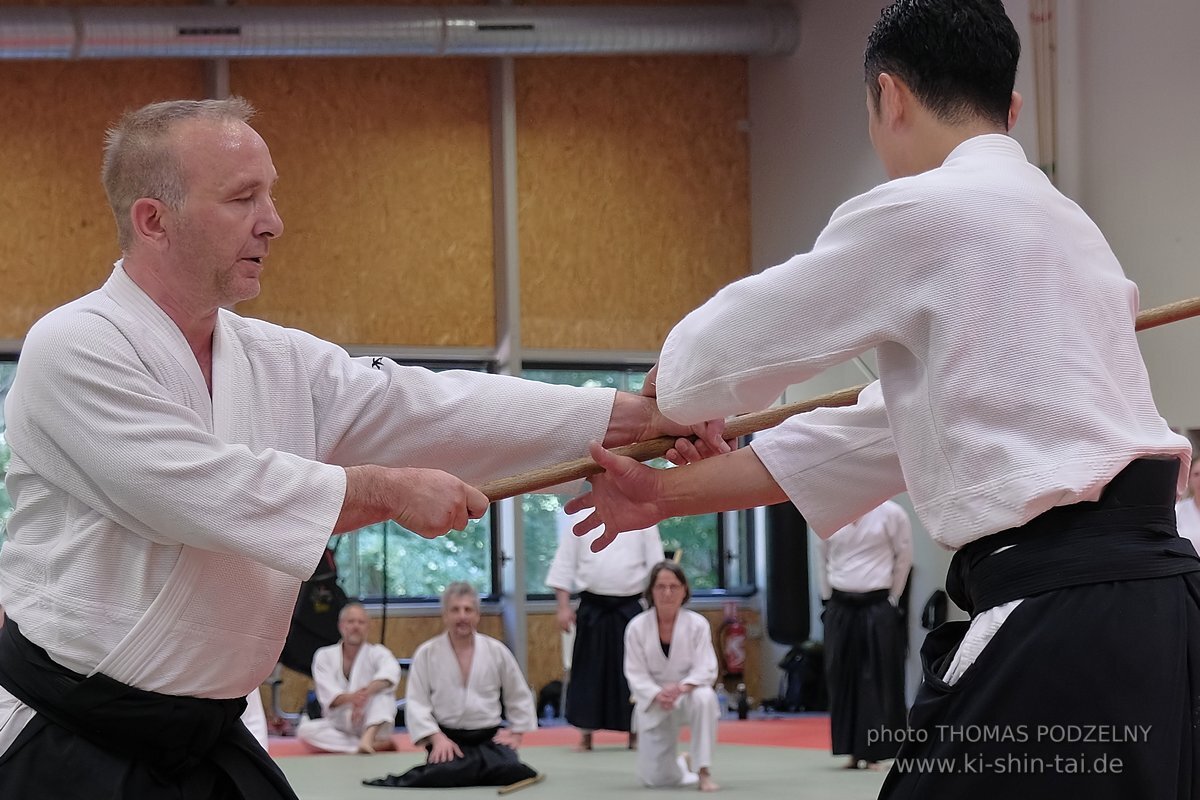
{"type": "Point", "coordinates": [251, 32]}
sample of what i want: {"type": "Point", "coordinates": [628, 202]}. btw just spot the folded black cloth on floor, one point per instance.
{"type": "Point", "coordinates": [483, 763]}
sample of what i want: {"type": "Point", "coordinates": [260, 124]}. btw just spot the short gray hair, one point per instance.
{"type": "Point", "coordinates": [460, 589]}
{"type": "Point", "coordinates": [138, 163]}
{"type": "Point", "coordinates": [348, 606]}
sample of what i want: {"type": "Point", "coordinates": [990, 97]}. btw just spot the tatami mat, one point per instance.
{"type": "Point", "coordinates": [771, 769]}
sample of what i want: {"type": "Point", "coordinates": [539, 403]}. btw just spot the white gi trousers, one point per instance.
{"type": "Point", "coordinates": [657, 764]}
{"type": "Point", "coordinates": [334, 732]}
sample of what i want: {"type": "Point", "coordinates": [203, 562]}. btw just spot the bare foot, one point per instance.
{"type": "Point", "coordinates": [584, 745]}
{"type": "Point", "coordinates": [632, 741]}
{"type": "Point", "coordinates": [875, 766]}
{"type": "Point", "coordinates": [370, 740]}
{"type": "Point", "coordinates": [851, 764]}
{"type": "Point", "coordinates": [707, 784]}
{"type": "Point", "coordinates": [384, 744]}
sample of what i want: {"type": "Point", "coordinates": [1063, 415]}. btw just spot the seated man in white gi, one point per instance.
{"type": "Point", "coordinates": [356, 686]}
{"type": "Point", "coordinates": [671, 666]}
{"type": "Point", "coordinates": [457, 684]}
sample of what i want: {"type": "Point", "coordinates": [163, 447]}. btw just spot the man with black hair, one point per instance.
{"type": "Point", "coordinates": [178, 469]}
{"type": "Point", "coordinates": [1013, 405]}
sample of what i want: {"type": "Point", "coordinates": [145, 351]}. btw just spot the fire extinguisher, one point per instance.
{"type": "Point", "coordinates": [733, 643]}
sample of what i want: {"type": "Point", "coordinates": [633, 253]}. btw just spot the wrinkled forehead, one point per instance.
{"type": "Point", "coordinates": [223, 152]}
{"type": "Point", "coordinates": [354, 614]}
{"type": "Point", "coordinates": [457, 601]}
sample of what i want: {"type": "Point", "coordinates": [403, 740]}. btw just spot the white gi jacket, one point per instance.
{"type": "Point", "coordinates": [873, 552]}
{"type": "Point", "coordinates": [620, 570]}
{"type": "Point", "coordinates": [1010, 376]}
{"type": "Point", "coordinates": [692, 660]}
{"type": "Point", "coordinates": [372, 662]}
{"type": "Point", "coordinates": [1187, 519]}
{"type": "Point", "coordinates": [159, 536]}
{"type": "Point", "coordinates": [436, 697]}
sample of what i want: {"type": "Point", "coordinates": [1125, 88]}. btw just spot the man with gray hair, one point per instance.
{"type": "Point", "coordinates": [356, 685]}
{"type": "Point", "coordinates": [458, 685]}
{"type": "Point", "coordinates": [177, 470]}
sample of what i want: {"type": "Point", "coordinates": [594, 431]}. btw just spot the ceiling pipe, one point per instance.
{"type": "Point", "coordinates": [210, 32]}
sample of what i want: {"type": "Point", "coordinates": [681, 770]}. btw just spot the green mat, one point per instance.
{"type": "Point", "coordinates": [754, 773]}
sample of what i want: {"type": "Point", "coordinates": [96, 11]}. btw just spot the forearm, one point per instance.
{"type": "Point", "coordinates": [630, 419]}
{"type": "Point", "coordinates": [378, 685]}
{"type": "Point", "coordinates": [563, 597]}
{"type": "Point", "coordinates": [367, 498]}
{"type": "Point", "coordinates": [729, 482]}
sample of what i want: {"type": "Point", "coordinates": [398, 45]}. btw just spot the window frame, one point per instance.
{"type": "Point", "coordinates": [563, 362]}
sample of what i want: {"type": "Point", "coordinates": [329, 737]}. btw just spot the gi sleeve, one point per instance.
{"type": "Point", "coordinates": [418, 697]}
{"type": "Point", "coordinates": [899, 531]}
{"type": "Point", "coordinates": [703, 668]}
{"type": "Point", "coordinates": [835, 464]}
{"type": "Point", "coordinates": [518, 698]}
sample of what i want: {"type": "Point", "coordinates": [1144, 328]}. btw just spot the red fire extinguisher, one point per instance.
{"type": "Point", "coordinates": [733, 642]}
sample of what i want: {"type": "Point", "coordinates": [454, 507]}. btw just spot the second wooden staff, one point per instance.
{"type": "Point", "coordinates": [745, 424]}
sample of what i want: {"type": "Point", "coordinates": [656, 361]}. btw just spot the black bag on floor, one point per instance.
{"type": "Point", "coordinates": [802, 687]}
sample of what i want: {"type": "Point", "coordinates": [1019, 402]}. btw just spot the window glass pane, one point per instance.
{"type": "Point", "coordinates": [540, 520]}
{"type": "Point", "coordinates": [411, 566]}
{"type": "Point", "coordinates": [696, 540]}
{"type": "Point", "coordinates": [697, 537]}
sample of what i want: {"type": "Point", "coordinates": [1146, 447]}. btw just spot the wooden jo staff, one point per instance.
{"type": "Point", "coordinates": [534, 480]}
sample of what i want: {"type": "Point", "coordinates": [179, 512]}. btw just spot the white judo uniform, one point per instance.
{"type": "Point", "coordinates": [255, 718]}
{"type": "Point", "coordinates": [335, 731]}
{"type": "Point", "coordinates": [436, 696]}
{"type": "Point", "coordinates": [159, 533]}
{"type": "Point", "coordinates": [1187, 518]}
{"type": "Point", "coordinates": [693, 661]}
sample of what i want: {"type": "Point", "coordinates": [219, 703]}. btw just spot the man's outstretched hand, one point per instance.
{"type": "Point", "coordinates": [625, 497]}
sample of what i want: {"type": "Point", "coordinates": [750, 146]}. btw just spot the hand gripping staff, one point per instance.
{"type": "Point", "coordinates": [545, 477]}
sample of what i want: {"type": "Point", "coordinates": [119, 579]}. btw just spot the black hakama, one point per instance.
{"type": "Point", "coordinates": [1091, 687]}
{"type": "Point", "coordinates": [94, 737]}
{"type": "Point", "coordinates": [864, 668]}
{"type": "Point", "coordinates": [597, 693]}
{"type": "Point", "coordinates": [483, 763]}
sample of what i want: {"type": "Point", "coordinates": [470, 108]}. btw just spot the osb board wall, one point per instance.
{"type": "Point", "coordinates": [59, 239]}
{"type": "Point", "coordinates": [633, 183]}
{"type": "Point", "coordinates": [632, 180]}
{"type": "Point", "coordinates": [544, 654]}
{"type": "Point", "coordinates": [385, 192]}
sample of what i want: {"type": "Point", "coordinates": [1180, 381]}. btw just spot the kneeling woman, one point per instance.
{"type": "Point", "coordinates": [671, 666]}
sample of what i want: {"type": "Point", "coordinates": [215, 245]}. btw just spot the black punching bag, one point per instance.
{"type": "Point", "coordinates": [787, 575]}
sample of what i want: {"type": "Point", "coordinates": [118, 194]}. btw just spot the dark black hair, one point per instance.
{"type": "Point", "coordinates": [959, 57]}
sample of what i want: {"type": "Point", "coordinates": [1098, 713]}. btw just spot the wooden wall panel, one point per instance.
{"type": "Point", "coordinates": [59, 239]}
{"type": "Point", "coordinates": [633, 194]}
{"type": "Point", "coordinates": [385, 192]}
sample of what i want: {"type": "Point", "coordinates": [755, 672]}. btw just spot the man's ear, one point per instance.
{"type": "Point", "coordinates": [894, 98]}
{"type": "Point", "coordinates": [148, 218]}
{"type": "Point", "coordinates": [1014, 109]}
